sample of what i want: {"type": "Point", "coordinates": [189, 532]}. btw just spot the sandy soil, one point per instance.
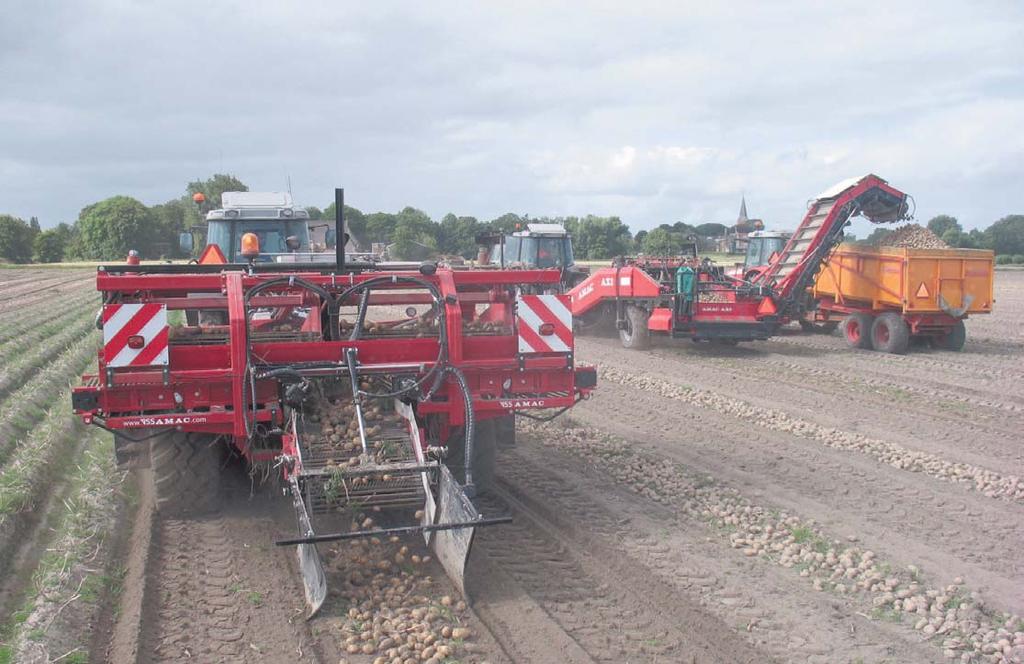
{"type": "Point", "coordinates": [646, 521]}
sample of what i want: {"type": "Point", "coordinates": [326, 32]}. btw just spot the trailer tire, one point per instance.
{"type": "Point", "coordinates": [635, 336]}
{"type": "Point", "coordinates": [857, 330]}
{"type": "Point", "coordinates": [484, 453]}
{"type": "Point", "coordinates": [954, 339]}
{"type": "Point", "coordinates": [890, 334]}
{"type": "Point", "coordinates": [186, 473]}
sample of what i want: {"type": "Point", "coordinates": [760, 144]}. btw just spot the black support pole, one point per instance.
{"type": "Point", "coordinates": [339, 228]}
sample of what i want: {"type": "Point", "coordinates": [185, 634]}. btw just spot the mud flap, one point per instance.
{"type": "Point", "coordinates": [452, 547]}
{"type": "Point", "coordinates": [314, 580]}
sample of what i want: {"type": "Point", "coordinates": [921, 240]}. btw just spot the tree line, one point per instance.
{"type": "Point", "coordinates": [108, 229]}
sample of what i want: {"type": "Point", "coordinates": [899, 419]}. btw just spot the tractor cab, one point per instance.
{"type": "Point", "coordinates": [762, 245]}
{"type": "Point", "coordinates": [281, 228]}
{"type": "Point", "coordinates": [541, 246]}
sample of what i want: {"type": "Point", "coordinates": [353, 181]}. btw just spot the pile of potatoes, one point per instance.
{"type": "Point", "coordinates": [711, 296]}
{"type": "Point", "coordinates": [481, 327]}
{"type": "Point", "coordinates": [393, 612]}
{"type": "Point", "coordinates": [339, 429]}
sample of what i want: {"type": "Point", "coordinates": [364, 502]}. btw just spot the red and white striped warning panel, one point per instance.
{"type": "Point", "coordinates": [544, 324]}
{"type": "Point", "coordinates": [135, 335]}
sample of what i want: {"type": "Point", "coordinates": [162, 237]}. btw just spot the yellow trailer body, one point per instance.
{"type": "Point", "coordinates": [956, 282]}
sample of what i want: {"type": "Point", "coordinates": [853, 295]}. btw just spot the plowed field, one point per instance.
{"type": "Point", "coordinates": [792, 501]}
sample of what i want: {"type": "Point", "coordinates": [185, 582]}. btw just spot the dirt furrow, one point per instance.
{"type": "Point", "coordinates": [874, 412]}
{"type": "Point", "coordinates": [849, 494]}
{"type": "Point", "coordinates": [990, 483]}
{"type": "Point", "coordinates": [724, 592]}
{"type": "Point", "coordinates": [614, 614]}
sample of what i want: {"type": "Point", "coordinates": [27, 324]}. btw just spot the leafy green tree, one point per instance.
{"type": "Point", "coordinates": [457, 235]}
{"type": "Point", "coordinates": [109, 229]}
{"type": "Point", "coordinates": [710, 230]}
{"type": "Point", "coordinates": [315, 213]}
{"type": "Point", "coordinates": [662, 242]}
{"type": "Point", "coordinates": [355, 223]}
{"type": "Point", "coordinates": [877, 236]}
{"type": "Point", "coordinates": [213, 187]}
{"type": "Point", "coordinates": [942, 223]}
{"type": "Point", "coordinates": [413, 240]}
{"type": "Point", "coordinates": [509, 222]}
{"type": "Point", "coordinates": [15, 239]}
{"type": "Point", "coordinates": [1006, 236]}
{"type": "Point", "coordinates": [49, 245]}
{"type": "Point", "coordinates": [169, 220]}
{"type": "Point", "coordinates": [380, 227]}
{"type": "Point", "coordinates": [599, 237]}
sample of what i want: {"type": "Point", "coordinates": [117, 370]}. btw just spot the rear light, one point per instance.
{"type": "Point", "coordinates": [136, 342]}
{"type": "Point", "coordinates": [546, 329]}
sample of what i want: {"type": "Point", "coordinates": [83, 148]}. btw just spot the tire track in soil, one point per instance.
{"type": "Point", "coordinates": [215, 588]}
{"type": "Point", "coordinates": [874, 415]}
{"type": "Point", "coordinates": [968, 363]}
{"type": "Point", "coordinates": [607, 612]}
{"type": "Point", "coordinates": [914, 518]}
{"type": "Point", "coordinates": [993, 484]}
{"type": "Point", "coordinates": [763, 605]}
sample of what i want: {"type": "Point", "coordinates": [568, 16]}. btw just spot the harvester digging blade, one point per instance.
{"type": "Point", "coordinates": [314, 580]}
{"type": "Point", "coordinates": [452, 546]}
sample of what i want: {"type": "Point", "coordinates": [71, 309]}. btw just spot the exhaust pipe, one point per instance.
{"type": "Point", "coordinates": [340, 238]}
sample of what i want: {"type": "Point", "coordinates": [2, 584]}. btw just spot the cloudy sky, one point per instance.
{"type": "Point", "coordinates": [652, 111]}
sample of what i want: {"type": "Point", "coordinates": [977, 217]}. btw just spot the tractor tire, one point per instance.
{"type": "Point", "coordinates": [857, 330]}
{"type": "Point", "coordinates": [484, 453]}
{"type": "Point", "coordinates": [890, 334]}
{"type": "Point", "coordinates": [635, 336]}
{"type": "Point", "coordinates": [952, 340]}
{"type": "Point", "coordinates": [186, 473]}
{"type": "Point", "coordinates": [505, 431]}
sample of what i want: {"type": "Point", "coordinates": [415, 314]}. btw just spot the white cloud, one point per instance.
{"type": "Point", "coordinates": [654, 111]}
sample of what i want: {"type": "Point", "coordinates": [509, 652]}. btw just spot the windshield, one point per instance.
{"type": "Point", "coordinates": [760, 250]}
{"type": "Point", "coordinates": [511, 251]}
{"type": "Point", "coordinates": [271, 233]}
{"type": "Point", "coordinates": [545, 252]}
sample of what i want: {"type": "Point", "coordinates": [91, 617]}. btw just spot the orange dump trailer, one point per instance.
{"type": "Point", "coordinates": [886, 296]}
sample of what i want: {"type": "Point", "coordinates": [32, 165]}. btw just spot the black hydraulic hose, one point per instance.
{"type": "Point", "coordinates": [467, 400]}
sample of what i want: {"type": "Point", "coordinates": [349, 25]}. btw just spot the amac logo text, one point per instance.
{"type": "Point", "coordinates": [164, 421]}
{"type": "Point", "coordinates": [523, 403]}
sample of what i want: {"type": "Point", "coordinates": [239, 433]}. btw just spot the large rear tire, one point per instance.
{"type": "Point", "coordinates": [954, 339]}
{"type": "Point", "coordinates": [890, 334]}
{"type": "Point", "coordinates": [635, 335]}
{"type": "Point", "coordinates": [484, 453]}
{"type": "Point", "coordinates": [857, 330]}
{"type": "Point", "coordinates": [186, 473]}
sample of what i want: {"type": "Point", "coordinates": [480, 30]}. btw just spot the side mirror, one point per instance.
{"type": "Point", "coordinates": [185, 242]}
{"type": "Point", "coordinates": [330, 238]}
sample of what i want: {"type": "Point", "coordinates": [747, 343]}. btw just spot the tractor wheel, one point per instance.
{"type": "Point", "coordinates": [505, 431]}
{"type": "Point", "coordinates": [953, 339]}
{"type": "Point", "coordinates": [890, 334]}
{"type": "Point", "coordinates": [484, 452]}
{"type": "Point", "coordinates": [636, 335]}
{"type": "Point", "coordinates": [857, 330]}
{"type": "Point", "coordinates": [186, 473]}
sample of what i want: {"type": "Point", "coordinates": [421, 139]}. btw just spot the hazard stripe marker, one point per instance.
{"type": "Point", "coordinates": [123, 321]}
{"type": "Point", "coordinates": [536, 311]}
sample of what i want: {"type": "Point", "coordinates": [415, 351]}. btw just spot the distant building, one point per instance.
{"type": "Point", "coordinates": [735, 240]}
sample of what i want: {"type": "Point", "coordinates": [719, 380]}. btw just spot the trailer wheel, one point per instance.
{"type": "Point", "coordinates": [890, 334]}
{"type": "Point", "coordinates": [484, 452]}
{"type": "Point", "coordinates": [186, 473]}
{"type": "Point", "coordinates": [952, 340]}
{"type": "Point", "coordinates": [635, 335]}
{"type": "Point", "coordinates": [505, 431]}
{"type": "Point", "coordinates": [857, 330]}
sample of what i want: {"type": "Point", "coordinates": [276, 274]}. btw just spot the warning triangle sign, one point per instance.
{"type": "Point", "coordinates": [922, 290]}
